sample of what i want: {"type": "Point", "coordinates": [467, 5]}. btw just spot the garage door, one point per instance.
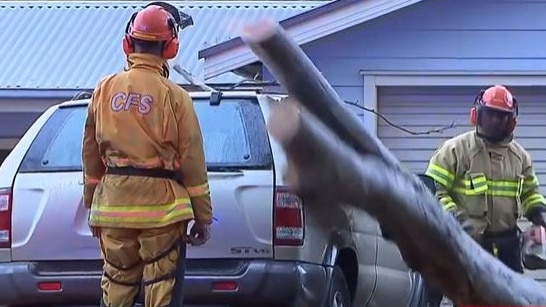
{"type": "Point", "coordinates": [422, 109]}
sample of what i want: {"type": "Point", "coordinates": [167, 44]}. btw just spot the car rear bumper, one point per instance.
{"type": "Point", "coordinates": [258, 282]}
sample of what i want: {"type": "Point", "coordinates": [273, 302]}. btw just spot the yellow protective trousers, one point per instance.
{"type": "Point", "coordinates": [135, 257]}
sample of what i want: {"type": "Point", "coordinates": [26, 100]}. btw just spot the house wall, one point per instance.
{"type": "Point", "coordinates": [482, 36]}
{"type": "Point", "coordinates": [485, 35]}
{"type": "Point", "coordinates": [457, 35]}
{"type": "Point", "coordinates": [16, 115]}
{"type": "Point", "coordinates": [440, 36]}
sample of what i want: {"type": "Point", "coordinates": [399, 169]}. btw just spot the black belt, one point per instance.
{"type": "Point", "coordinates": [514, 232]}
{"type": "Point", "coordinates": [144, 172]}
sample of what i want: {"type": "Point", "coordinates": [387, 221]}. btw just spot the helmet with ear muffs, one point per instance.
{"type": "Point", "coordinates": [494, 113]}
{"type": "Point", "coordinates": [157, 21]}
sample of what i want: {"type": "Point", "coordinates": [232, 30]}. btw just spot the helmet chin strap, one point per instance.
{"type": "Point", "coordinates": [166, 69]}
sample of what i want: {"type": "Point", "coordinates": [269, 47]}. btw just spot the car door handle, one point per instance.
{"type": "Point", "coordinates": [80, 182]}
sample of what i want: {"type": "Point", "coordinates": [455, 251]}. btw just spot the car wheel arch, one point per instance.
{"type": "Point", "coordinates": [348, 263]}
{"type": "Point", "coordinates": [341, 252]}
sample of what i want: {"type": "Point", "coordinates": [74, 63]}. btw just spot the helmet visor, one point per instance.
{"type": "Point", "coordinates": [494, 123]}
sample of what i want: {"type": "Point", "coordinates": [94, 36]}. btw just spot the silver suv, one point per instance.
{"type": "Point", "coordinates": [268, 247]}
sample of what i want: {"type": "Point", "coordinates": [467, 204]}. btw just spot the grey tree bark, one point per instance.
{"type": "Point", "coordinates": [331, 153]}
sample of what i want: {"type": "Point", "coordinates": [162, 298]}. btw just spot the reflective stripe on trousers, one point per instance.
{"type": "Point", "coordinates": [135, 257]}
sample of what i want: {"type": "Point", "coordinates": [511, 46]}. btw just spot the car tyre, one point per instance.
{"type": "Point", "coordinates": [430, 296]}
{"type": "Point", "coordinates": [339, 294]}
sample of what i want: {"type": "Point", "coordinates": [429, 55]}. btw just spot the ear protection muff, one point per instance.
{"type": "Point", "coordinates": [170, 47]}
{"type": "Point", "coordinates": [474, 111]}
{"type": "Point", "coordinates": [514, 120]}
{"type": "Point", "coordinates": [127, 42]}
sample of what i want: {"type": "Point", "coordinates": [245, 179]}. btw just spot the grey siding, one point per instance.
{"type": "Point", "coordinates": [425, 108]}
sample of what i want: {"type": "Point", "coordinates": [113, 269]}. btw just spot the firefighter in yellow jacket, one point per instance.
{"type": "Point", "coordinates": [486, 179]}
{"type": "Point", "coordinates": [144, 167]}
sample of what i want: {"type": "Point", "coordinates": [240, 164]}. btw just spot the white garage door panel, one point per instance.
{"type": "Point", "coordinates": [443, 119]}
{"type": "Point", "coordinates": [531, 133]}
{"type": "Point", "coordinates": [535, 146]}
{"type": "Point", "coordinates": [405, 109]}
{"type": "Point", "coordinates": [417, 154]}
{"type": "Point", "coordinates": [421, 109]}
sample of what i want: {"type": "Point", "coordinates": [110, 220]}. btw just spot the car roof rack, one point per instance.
{"type": "Point", "coordinates": [82, 95]}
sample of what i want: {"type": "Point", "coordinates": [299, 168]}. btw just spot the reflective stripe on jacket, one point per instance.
{"type": "Point", "coordinates": [141, 119]}
{"type": "Point", "coordinates": [492, 183]}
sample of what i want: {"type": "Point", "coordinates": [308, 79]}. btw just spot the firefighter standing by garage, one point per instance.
{"type": "Point", "coordinates": [486, 179]}
{"type": "Point", "coordinates": [144, 167]}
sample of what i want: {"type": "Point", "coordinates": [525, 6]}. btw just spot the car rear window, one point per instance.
{"type": "Point", "coordinates": [234, 137]}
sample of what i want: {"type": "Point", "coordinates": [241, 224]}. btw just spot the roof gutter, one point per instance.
{"type": "Point", "coordinates": [39, 93]}
{"type": "Point", "coordinates": [304, 28]}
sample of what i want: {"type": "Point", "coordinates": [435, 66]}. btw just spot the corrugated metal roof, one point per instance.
{"type": "Point", "coordinates": [71, 45]}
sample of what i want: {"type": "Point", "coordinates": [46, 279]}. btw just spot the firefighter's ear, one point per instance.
{"type": "Point", "coordinates": [473, 116]}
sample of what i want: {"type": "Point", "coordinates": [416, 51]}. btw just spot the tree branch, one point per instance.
{"type": "Point", "coordinates": [390, 123]}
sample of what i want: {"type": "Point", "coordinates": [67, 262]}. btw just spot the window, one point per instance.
{"type": "Point", "coordinates": [64, 150]}
{"type": "Point", "coordinates": [234, 136]}
{"type": "Point", "coordinates": [224, 135]}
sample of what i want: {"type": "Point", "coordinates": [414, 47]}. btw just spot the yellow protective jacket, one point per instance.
{"type": "Point", "coordinates": [139, 118]}
{"type": "Point", "coordinates": [492, 184]}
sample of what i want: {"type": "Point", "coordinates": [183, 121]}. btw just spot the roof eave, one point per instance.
{"type": "Point", "coordinates": [234, 54]}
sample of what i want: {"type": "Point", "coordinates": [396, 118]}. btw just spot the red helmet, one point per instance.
{"type": "Point", "coordinates": [500, 98]}
{"type": "Point", "coordinates": [153, 23]}
{"type": "Point", "coordinates": [494, 113]}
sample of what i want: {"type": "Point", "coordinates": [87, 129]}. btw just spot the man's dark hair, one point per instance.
{"type": "Point", "coordinates": [151, 47]}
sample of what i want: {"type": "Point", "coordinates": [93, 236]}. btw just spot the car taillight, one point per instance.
{"type": "Point", "coordinates": [5, 218]}
{"type": "Point", "coordinates": [288, 218]}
